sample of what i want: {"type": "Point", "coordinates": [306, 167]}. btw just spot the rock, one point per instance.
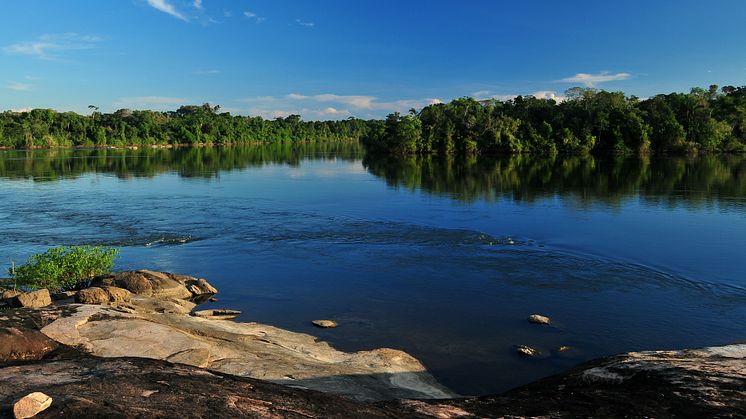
{"type": "Point", "coordinates": [93, 295]}
{"type": "Point", "coordinates": [64, 295]}
{"type": "Point", "coordinates": [538, 319]}
{"type": "Point", "coordinates": [103, 295]}
{"type": "Point", "coordinates": [8, 294]}
{"type": "Point", "coordinates": [21, 344]}
{"type": "Point", "coordinates": [200, 287]}
{"type": "Point", "coordinates": [34, 299]}
{"type": "Point", "coordinates": [218, 314]}
{"type": "Point", "coordinates": [160, 284]}
{"type": "Point", "coordinates": [119, 388]}
{"type": "Point", "coordinates": [527, 351]}
{"type": "Point", "coordinates": [694, 383]}
{"type": "Point", "coordinates": [245, 349]}
{"type": "Point", "coordinates": [31, 405]}
{"type": "Point", "coordinates": [325, 324]}
{"type": "Point", "coordinates": [118, 295]}
{"type": "Point", "coordinates": [564, 349]}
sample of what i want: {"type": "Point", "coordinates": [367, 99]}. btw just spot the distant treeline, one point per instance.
{"type": "Point", "coordinates": [188, 125]}
{"type": "Point", "coordinates": [588, 120]}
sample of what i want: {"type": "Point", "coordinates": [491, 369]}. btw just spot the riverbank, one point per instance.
{"type": "Point", "coordinates": [141, 340]}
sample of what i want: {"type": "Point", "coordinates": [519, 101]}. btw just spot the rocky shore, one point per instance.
{"type": "Point", "coordinates": [131, 346]}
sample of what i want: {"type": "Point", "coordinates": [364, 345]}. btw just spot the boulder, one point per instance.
{"type": "Point", "coordinates": [160, 284]}
{"type": "Point", "coordinates": [538, 319]}
{"type": "Point", "coordinates": [527, 351]}
{"type": "Point", "coordinates": [31, 405]}
{"type": "Point", "coordinates": [103, 295]}
{"type": "Point", "coordinates": [325, 324]}
{"type": "Point", "coordinates": [7, 294]}
{"type": "Point", "coordinates": [34, 299]}
{"type": "Point", "coordinates": [21, 344]}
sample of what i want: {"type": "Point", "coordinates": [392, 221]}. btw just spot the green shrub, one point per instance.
{"type": "Point", "coordinates": [65, 268]}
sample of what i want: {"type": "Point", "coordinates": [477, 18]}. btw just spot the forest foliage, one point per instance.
{"type": "Point", "coordinates": [587, 121]}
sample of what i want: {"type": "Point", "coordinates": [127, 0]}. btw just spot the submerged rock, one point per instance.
{"type": "Point", "coordinates": [538, 319]}
{"type": "Point", "coordinates": [325, 324]}
{"type": "Point", "coordinates": [31, 405]}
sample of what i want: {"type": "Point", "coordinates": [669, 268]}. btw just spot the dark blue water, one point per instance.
{"type": "Point", "coordinates": [444, 259]}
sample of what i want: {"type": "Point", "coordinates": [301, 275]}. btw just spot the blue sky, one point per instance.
{"type": "Point", "coordinates": [331, 59]}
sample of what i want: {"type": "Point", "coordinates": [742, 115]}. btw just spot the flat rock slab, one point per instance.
{"type": "Point", "coordinates": [246, 349]}
{"type": "Point", "coordinates": [325, 324]}
{"type": "Point", "coordinates": [218, 314]}
{"type": "Point", "coordinates": [132, 387]}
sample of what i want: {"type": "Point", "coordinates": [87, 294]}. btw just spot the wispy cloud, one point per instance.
{"type": "Point", "coordinates": [150, 102]}
{"type": "Point", "coordinates": [540, 94]}
{"type": "Point", "coordinates": [18, 87]}
{"type": "Point", "coordinates": [168, 8]}
{"type": "Point", "coordinates": [207, 72]}
{"type": "Point", "coordinates": [197, 4]}
{"type": "Point", "coordinates": [253, 16]}
{"type": "Point", "coordinates": [329, 106]}
{"type": "Point", "coordinates": [591, 80]}
{"type": "Point", "coordinates": [51, 46]}
{"type": "Point", "coordinates": [305, 23]}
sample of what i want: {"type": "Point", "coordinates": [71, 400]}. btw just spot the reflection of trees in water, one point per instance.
{"type": "Point", "coordinates": [49, 165]}
{"type": "Point", "coordinates": [582, 180]}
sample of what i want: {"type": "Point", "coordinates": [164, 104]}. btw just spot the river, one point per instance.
{"type": "Point", "coordinates": [443, 258]}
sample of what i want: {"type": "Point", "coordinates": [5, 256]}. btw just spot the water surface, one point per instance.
{"type": "Point", "coordinates": [442, 258]}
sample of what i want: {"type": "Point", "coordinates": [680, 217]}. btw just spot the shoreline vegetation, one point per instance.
{"type": "Point", "coordinates": [588, 120]}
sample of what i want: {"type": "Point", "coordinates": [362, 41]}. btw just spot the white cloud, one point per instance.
{"type": "Point", "coordinates": [305, 23]}
{"type": "Point", "coordinates": [539, 94]}
{"type": "Point", "coordinates": [21, 110]}
{"type": "Point", "coordinates": [590, 80]}
{"type": "Point", "coordinates": [197, 4]}
{"type": "Point", "coordinates": [18, 87]}
{"type": "Point", "coordinates": [168, 8]}
{"type": "Point", "coordinates": [207, 72]}
{"type": "Point", "coordinates": [330, 106]}
{"type": "Point", "coordinates": [150, 102]}
{"type": "Point", "coordinates": [253, 16]}
{"type": "Point", "coordinates": [49, 46]}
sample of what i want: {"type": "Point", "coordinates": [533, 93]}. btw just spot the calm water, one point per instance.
{"type": "Point", "coordinates": [444, 259]}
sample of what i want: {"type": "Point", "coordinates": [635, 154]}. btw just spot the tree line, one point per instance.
{"type": "Point", "coordinates": [588, 120]}
{"type": "Point", "coordinates": [203, 124]}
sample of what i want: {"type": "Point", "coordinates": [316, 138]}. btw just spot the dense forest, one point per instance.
{"type": "Point", "coordinates": [203, 124]}
{"type": "Point", "coordinates": [588, 120]}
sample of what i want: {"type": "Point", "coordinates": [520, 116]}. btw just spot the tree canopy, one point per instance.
{"type": "Point", "coordinates": [588, 120]}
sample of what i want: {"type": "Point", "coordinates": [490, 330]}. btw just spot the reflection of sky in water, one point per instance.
{"type": "Point", "coordinates": [449, 281]}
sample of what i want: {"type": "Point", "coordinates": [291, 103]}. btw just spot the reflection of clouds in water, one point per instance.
{"type": "Point", "coordinates": [328, 169]}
